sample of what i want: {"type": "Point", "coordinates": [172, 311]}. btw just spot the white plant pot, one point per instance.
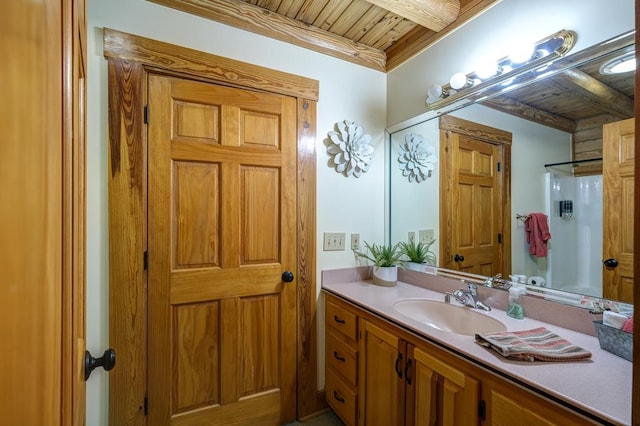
{"type": "Point", "coordinates": [414, 266]}
{"type": "Point", "coordinates": [386, 276]}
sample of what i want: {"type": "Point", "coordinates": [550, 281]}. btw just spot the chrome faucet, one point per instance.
{"type": "Point", "coordinates": [469, 297]}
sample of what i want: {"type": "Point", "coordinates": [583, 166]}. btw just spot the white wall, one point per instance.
{"type": "Point", "coordinates": [491, 34]}
{"type": "Point", "coordinates": [347, 91]}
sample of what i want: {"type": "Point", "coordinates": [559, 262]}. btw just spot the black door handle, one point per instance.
{"type": "Point", "coordinates": [287, 276]}
{"type": "Point", "coordinates": [610, 263]}
{"type": "Point", "coordinates": [106, 361]}
{"type": "Point", "coordinates": [458, 258]}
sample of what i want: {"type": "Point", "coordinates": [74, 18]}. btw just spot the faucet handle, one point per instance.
{"type": "Point", "coordinates": [473, 288]}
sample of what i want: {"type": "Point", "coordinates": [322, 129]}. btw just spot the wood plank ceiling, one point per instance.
{"type": "Point", "coordinates": [379, 34]}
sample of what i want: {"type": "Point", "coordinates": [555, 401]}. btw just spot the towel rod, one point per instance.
{"type": "Point", "coordinates": [573, 162]}
{"type": "Point", "coordinates": [522, 217]}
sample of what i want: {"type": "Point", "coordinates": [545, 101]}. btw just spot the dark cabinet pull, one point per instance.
{"type": "Point", "coordinates": [458, 258]}
{"type": "Point", "coordinates": [406, 371]}
{"type": "Point", "coordinates": [338, 320]}
{"type": "Point", "coordinates": [338, 397]}
{"type": "Point", "coordinates": [338, 357]}
{"type": "Point", "coordinates": [611, 263]}
{"type": "Point", "coordinates": [398, 360]}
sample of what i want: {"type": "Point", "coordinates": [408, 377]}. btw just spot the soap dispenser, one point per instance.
{"type": "Point", "coordinates": [514, 308]}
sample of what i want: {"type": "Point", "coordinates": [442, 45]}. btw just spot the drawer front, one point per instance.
{"type": "Point", "coordinates": [342, 357]}
{"type": "Point", "coordinates": [342, 320]}
{"type": "Point", "coordinates": [341, 398]}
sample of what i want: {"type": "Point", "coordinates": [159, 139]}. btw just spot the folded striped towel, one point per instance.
{"type": "Point", "coordinates": [538, 344]}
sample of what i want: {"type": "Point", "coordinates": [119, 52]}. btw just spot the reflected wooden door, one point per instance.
{"type": "Point", "coordinates": [475, 203]}
{"type": "Point", "coordinates": [222, 188]}
{"type": "Point", "coordinates": [617, 216]}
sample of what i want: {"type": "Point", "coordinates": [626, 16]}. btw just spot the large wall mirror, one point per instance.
{"type": "Point", "coordinates": [548, 138]}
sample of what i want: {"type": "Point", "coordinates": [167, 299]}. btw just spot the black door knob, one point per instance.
{"type": "Point", "coordinates": [458, 258]}
{"type": "Point", "coordinates": [610, 263]}
{"type": "Point", "coordinates": [287, 276]}
{"type": "Point", "coordinates": [106, 361]}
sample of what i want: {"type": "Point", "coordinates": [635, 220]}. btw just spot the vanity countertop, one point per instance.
{"type": "Point", "coordinates": [601, 386]}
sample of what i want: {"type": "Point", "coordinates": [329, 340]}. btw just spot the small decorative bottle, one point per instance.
{"type": "Point", "coordinates": [514, 308]}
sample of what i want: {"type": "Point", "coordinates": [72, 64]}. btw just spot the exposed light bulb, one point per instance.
{"type": "Point", "coordinates": [459, 81]}
{"type": "Point", "coordinates": [487, 70]}
{"type": "Point", "coordinates": [522, 53]}
{"type": "Point", "coordinates": [436, 92]}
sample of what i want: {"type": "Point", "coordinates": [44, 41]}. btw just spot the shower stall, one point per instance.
{"type": "Point", "coordinates": [574, 207]}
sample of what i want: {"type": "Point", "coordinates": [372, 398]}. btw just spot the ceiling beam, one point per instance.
{"type": "Point", "coordinates": [595, 92]}
{"type": "Point", "coordinates": [420, 38]}
{"type": "Point", "coordinates": [252, 18]}
{"type": "Point", "coordinates": [432, 14]}
{"type": "Point", "coordinates": [528, 112]}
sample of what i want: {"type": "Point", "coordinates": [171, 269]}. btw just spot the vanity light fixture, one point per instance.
{"type": "Point", "coordinates": [516, 69]}
{"type": "Point", "coordinates": [620, 64]}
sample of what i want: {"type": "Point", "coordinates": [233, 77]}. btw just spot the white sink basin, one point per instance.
{"type": "Point", "coordinates": [447, 317]}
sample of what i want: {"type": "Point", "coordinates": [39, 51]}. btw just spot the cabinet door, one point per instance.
{"type": "Point", "coordinates": [381, 376]}
{"type": "Point", "coordinates": [442, 394]}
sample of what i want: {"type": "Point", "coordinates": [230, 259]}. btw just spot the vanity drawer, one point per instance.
{"type": "Point", "coordinates": [341, 319]}
{"type": "Point", "coordinates": [341, 398]}
{"type": "Point", "coordinates": [342, 357]}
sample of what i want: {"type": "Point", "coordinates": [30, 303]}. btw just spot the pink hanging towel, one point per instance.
{"type": "Point", "coordinates": [537, 234]}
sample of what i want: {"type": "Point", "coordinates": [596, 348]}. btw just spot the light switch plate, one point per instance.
{"type": "Point", "coordinates": [425, 236]}
{"type": "Point", "coordinates": [355, 241]}
{"type": "Point", "coordinates": [334, 241]}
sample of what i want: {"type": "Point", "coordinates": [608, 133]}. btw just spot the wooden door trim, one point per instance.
{"type": "Point", "coordinates": [635, 398]}
{"type": "Point", "coordinates": [130, 59]}
{"type": "Point", "coordinates": [493, 136]}
{"type": "Point", "coordinates": [184, 61]}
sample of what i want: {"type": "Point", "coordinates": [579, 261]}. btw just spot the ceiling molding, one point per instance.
{"type": "Point", "coordinates": [432, 14]}
{"type": "Point", "coordinates": [252, 18]}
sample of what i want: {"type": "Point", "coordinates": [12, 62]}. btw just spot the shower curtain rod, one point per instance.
{"type": "Point", "coordinates": [573, 162]}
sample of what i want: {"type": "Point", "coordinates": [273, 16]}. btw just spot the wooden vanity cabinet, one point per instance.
{"type": "Point", "coordinates": [341, 359]}
{"type": "Point", "coordinates": [508, 404]}
{"type": "Point", "coordinates": [406, 381]}
{"type": "Point", "coordinates": [378, 373]}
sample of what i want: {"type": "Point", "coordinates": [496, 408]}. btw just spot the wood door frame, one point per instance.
{"type": "Point", "coordinates": [490, 135]}
{"type": "Point", "coordinates": [635, 394]}
{"type": "Point", "coordinates": [130, 59]}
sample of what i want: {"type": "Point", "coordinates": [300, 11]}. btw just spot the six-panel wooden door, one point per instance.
{"type": "Point", "coordinates": [222, 226]}
{"type": "Point", "coordinates": [617, 216]}
{"type": "Point", "coordinates": [474, 198]}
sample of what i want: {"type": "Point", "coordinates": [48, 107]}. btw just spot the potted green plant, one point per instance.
{"type": "Point", "coordinates": [419, 254]}
{"type": "Point", "coordinates": [386, 259]}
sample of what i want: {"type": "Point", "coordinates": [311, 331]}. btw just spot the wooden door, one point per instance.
{"type": "Point", "coordinates": [474, 198]}
{"type": "Point", "coordinates": [444, 395]}
{"type": "Point", "coordinates": [617, 216]}
{"type": "Point", "coordinates": [381, 376]}
{"type": "Point", "coordinates": [222, 226]}
{"type": "Point", "coordinates": [42, 213]}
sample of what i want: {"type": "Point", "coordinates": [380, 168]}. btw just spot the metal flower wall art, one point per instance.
{"type": "Point", "coordinates": [416, 161]}
{"type": "Point", "coordinates": [350, 149]}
